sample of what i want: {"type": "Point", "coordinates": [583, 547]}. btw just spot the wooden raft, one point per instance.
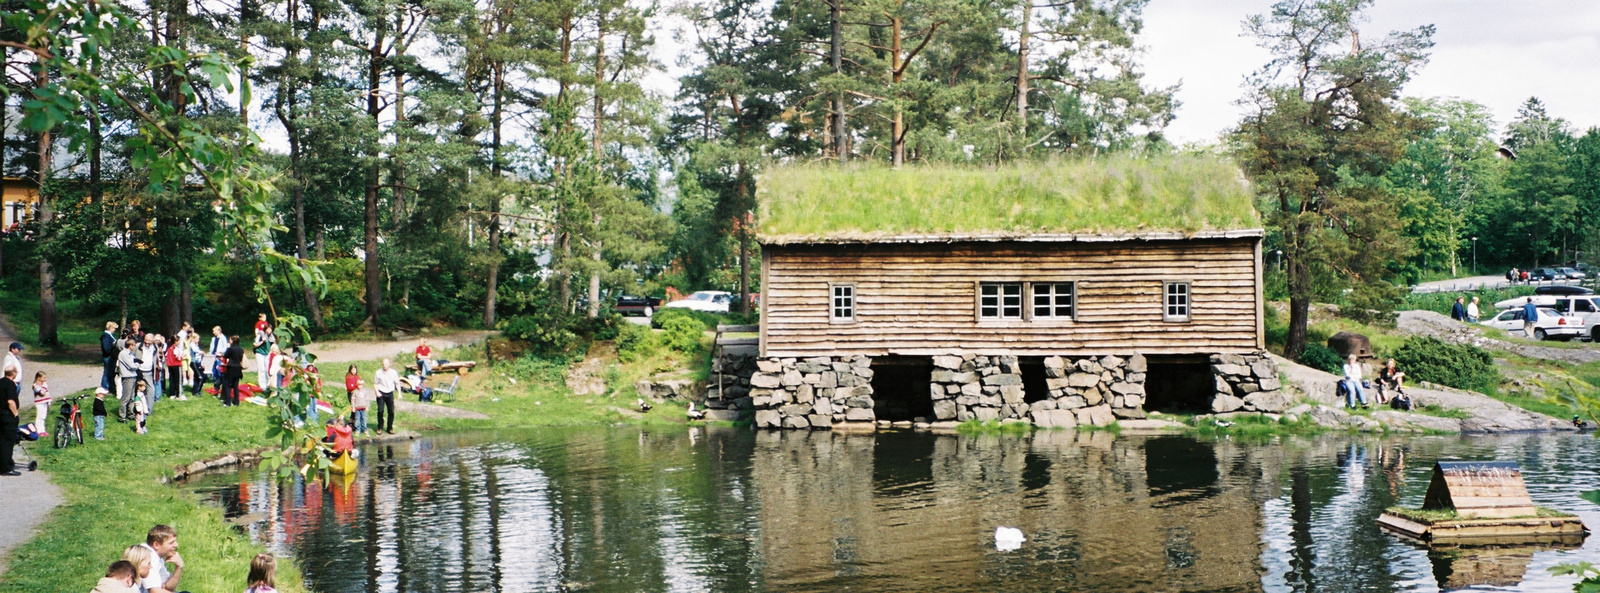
{"type": "Point", "coordinates": [1491, 505]}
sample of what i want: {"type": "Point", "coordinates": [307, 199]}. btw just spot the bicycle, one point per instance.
{"type": "Point", "coordinates": [69, 424]}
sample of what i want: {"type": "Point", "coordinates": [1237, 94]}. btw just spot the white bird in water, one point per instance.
{"type": "Point", "coordinates": [1007, 539]}
{"type": "Point", "coordinates": [695, 414]}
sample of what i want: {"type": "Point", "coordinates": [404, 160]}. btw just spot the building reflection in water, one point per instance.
{"type": "Point", "coordinates": [726, 510]}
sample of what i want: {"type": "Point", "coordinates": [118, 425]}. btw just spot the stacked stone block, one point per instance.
{"type": "Point", "coordinates": [816, 392]}
{"type": "Point", "coordinates": [729, 384]}
{"type": "Point", "coordinates": [1246, 383]}
{"type": "Point", "coordinates": [1093, 390]}
{"type": "Point", "coordinates": [975, 387]}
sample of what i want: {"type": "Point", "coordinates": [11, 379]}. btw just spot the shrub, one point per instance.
{"type": "Point", "coordinates": [546, 333]}
{"type": "Point", "coordinates": [635, 342]}
{"type": "Point", "coordinates": [1321, 358]}
{"type": "Point", "coordinates": [709, 320]}
{"type": "Point", "coordinates": [1459, 366]}
{"type": "Point", "coordinates": [683, 333]}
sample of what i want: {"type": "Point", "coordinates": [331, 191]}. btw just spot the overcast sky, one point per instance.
{"type": "Point", "coordinates": [1494, 52]}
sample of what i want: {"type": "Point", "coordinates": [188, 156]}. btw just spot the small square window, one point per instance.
{"type": "Point", "coordinates": [842, 303]}
{"type": "Point", "coordinates": [1176, 301]}
{"type": "Point", "coordinates": [1000, 300]}
{"type": "Point", "coordinates": [1054, 300]}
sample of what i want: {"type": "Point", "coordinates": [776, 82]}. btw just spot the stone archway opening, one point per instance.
{"type": "Point", "coordinates": [900, 388]}
{"type": "Point", "coordinates": [1180, 384]}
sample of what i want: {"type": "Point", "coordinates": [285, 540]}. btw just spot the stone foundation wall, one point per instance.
{"type": "Point", "coordinates": [733, 391]}
{"type": "Point", "coordinates": [979, 388]}
{"type": "Point", "coordinates": [816, 392]}
{"type": "Point", "coordinates": [1091, 390]}
{"type": "Point", "coordinates": [1248, 383]}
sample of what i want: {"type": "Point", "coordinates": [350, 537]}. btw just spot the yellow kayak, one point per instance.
{"type": "Point", "coordinates": [344, 464]}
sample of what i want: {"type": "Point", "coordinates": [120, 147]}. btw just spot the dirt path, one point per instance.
{"type": "Point", "coordinates": [1428, 323]}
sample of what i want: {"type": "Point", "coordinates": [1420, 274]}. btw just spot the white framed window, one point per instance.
{"type": "Point", "coordinates": [841, 303]}
{"type": "Point", "coordinates": [999, 300]}
{"type": "Point", "coordinates": [1175, 303]}
{"type": "Point", "coordinates": [1055, 300]}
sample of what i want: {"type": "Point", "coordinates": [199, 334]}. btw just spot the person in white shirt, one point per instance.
{"type": "Point", "coordinates": [163, 544]}
{"type": "Point", "coordinates": [14, 359]}
{"type": "Point", "coordinates": [386, 381]}
{"type": "Point", "coordinates": [218, 347]}
{"type": "Point", "coordinates": [1472, 311]}
{"type": "Point", "coordinates": [147, 370]}
{"type": "Point", "coordinates": [1352, 383]}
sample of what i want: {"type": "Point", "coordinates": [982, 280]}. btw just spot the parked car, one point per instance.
{"type": "Point", "coordinates": [1562, 289]}
{"type": "Point", "coordinates": [1572, 274]}
{"type": "Point", "coordinates": [637, 305]}
{"type": "Point", "coordinates": [1546, 274]}
{"type": "Point", "coordinates": [1551, 325]}
{"type": "Point", "coordinates": [710, 301]}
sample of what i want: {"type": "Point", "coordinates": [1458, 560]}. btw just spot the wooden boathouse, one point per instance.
{"type": "Point", "coordinates": [1041, 292]}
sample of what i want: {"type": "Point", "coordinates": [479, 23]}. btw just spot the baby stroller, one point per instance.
{"type": "Point", "coordinates": [28, 434]}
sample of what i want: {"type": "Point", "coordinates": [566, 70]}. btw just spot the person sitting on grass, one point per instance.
{"type": "Point", "coordinates": [162, 542]}
{"type": "Point", "coordinates": [1390, 379]}
{"type": "Point", "coordinates": [1352, 384]}
{"type": "Point", "coordinates": [143, 560]}
{"type": "Point", "coordinates": [263, 573]}
{"type": "Point", "coordinates": [119, 579]}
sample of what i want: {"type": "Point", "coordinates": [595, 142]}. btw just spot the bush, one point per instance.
{"type": "Point", "coordinates": [548, 334]}
{"type": "Point", "coordinates": [709, 320]}
{"type": "Point", "coordinates": [683, 333]}
{"type": "Point", "coordinates": [1321, 358]}
{"type": "Point", "coordinates": [635, 342]}
{"type": "Point", "coordinates": [1459, 366]}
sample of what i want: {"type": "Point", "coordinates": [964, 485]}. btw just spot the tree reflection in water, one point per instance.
{"type": "Point", "coordinates": [698, 509]}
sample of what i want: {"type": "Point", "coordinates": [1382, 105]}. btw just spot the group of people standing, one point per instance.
{"type": "Point", "coordinates": [1464, 311]}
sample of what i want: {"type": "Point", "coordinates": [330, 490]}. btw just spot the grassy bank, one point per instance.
{"type": "Point", "coordinates": [111, 496]}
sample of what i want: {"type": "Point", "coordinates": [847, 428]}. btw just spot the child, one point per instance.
{"type": "Point", "coordinates": [141, 408]}
{"type": "Point", "coordinates": [359, 400]}
{"type": "Point", "coordinates": [352, 381]}
{"type": "Point", "coordinates": [263, 573]}
{"type": "Point", "coordinates": [41, 402]}
{"type": "Point", "coordinates": [118, 579]}
{"type": "Point", "coordinates": [100, 414]}
{"type": "Point", "coordinates": [339, 436]}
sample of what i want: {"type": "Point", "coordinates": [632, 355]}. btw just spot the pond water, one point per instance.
{"type": "Point", "coordinates": [706, 509]}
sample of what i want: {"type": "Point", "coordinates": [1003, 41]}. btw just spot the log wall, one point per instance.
{"type": "Point", "coordinates": [921, 299]}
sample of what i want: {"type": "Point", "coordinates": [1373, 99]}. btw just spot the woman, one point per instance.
{"type": "Point", "coordinates": [141, 556]}
{"type": "Point", "coordinates": [275, 359]}
{"type": "Point", "coordinates": [1352, 383]}
{"type": "Point", "coordinates": [1390, 378]}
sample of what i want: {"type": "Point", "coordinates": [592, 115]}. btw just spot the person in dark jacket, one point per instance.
{"type": "Point", "coordinates": [109, 349]}
{"type": "Point", "coordinates": [1459, 311]}
{"type": "Point", "coordinates": [1530, 316]}
{"type": "Point", "coordinates": [232, 371]}
{"type": "Point", "coordinates": [8, 422]}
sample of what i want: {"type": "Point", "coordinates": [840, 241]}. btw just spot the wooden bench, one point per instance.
{"type": "Point", "coordinates": [460, 367]}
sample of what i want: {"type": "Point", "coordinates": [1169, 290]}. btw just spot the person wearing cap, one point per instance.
{"type": "Point", "coordinates": [14, 358]}
{"type": "Point", "coordinates": [99, 409]}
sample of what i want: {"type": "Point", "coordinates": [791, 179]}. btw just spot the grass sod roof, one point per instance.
{"type": "Point", "coordinates": [1104, 198]}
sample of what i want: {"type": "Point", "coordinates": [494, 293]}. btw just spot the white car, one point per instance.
{"type": "Point", "coordinates": [1551, 325]}
{"type": "Point", "coordinates": [709, 301]}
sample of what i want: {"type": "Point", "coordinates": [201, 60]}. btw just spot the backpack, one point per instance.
{"type": "Point", "coordinates": [1401, 402]}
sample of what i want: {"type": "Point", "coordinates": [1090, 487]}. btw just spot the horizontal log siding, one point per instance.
{"type": "Point", "coordinates": [921, 299]}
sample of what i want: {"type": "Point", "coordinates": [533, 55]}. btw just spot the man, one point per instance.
{"type": "Point", "coordinates": [14, 359]}
{"type": "Point", "coordinates": [1472, 311]}
{"type": "Point", "coordinates": [424, 357]}
{"type": "Point", "coordinates": [128, 377]}
{"type": "Point", "coordinates": [218, 347]}
{"type": "Point", "coordinates": [1530, 316]}
{"type": "Point", "coordinates": [232, 372]}
{"type": "Point", "coordinates": [163, 540]}
{"type": "Point", "coordinates": [386, 381]}
{"type": "Point", "coordinates": [9, 416]}
{"type": "Point", "coordinates": [108, 356]}
{"type": "Point", "coordinates": [1459, 311]}
{"type": "Point", "coordinates": [149, 367]}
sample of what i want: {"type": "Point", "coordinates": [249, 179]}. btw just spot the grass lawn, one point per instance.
{"type": "Point", "coordinates": [19, 302]}
{"type": "Point", "coordinates": [111, 496]}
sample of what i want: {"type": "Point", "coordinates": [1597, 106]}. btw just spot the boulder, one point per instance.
{"type": "Point", "coordinates": [1221, 403]}
{"type": "Point", "coordinates": [1111, 362]}
{"type": "Point", "coordinates": [1270, 383]}
{"type": "Point", "coordinates": [1089, 366]}
{"type": "Point", "coordinates": [805, 394]}
{"type": "Point", "coordinates": [795, 410]}
{"type": "Point", "coordinates": [767, 365]}
{"type": "Point", "coordinates": [965, 377]}
{"type": "Point", "coordinates": [942, 376]}
{"type": "Point", "coordinates": [1041, 405]}
{"type": "Point", "coordinates": [1128, 412]}
{"type": "Point", "coordinates": [1245, 388]}
{"type": "Point", "coordinates": [985, 413]}
{"type": "Point", "coordinates": [859, 415]}
{"type": "Point", "coordinates": [820, 420]}
{"type": "Point", "coordinates": [1137, 363]}
{"type": "Point", "coordinates": [1133, 400]}
{"type": "Point", "coordinates": [1264, 368]}
{"type": "Point", "coordinates": [1127, 388]}
{"type": "Point", "coordinates": [1095, 415]}
{"type": "Point", "coordinates": [1003, 379]}
{"type": "Point", "coordinates": [937, 392]}
{"type": "Point", "coordinates": [971, 389]}
{"type": "Point", "coordinates": [829, 379]}
{"type": "Point", "coordinates": [1232, 370]}
{"type": "Point", "coordinates": [1012, 394]}
{"type": "Point", "coordinates": [947, 362]}
{"type": "Point", "coordinates": [763, 380]}
{"type": "Point", "coordinates": [1081, 380]}
{"type": "Point", "coordinates": [791, 378]}
{"type": "Point", "coordinates": [1071, 402]}
{"type": "Point", "coordinates": [1053, 362]}
{"type": "Point", "coordinates": [1267, 401]}
{"type": "Point", "coordinates": [1093, 397]}
{"type": "Point", "coordinates": [1327, 416]}
{"type": "Point", "coordinates": [823, 407]}
{"type": "Point", "coordinates": [944, 409]}
{"type": "Point", "coordinates": [1053, 418]}
{"type": "Point", "coordinates": [722, 415]}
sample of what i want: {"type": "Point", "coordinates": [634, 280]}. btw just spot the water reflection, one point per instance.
{"type": "Point", "coordinates": [727, 510]}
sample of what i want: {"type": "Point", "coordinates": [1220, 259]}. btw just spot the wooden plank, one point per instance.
{"type": "Point", "coordinates": [738, 329]}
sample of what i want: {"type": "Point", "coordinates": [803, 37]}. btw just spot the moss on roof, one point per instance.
{"type": "Point", "coordinates": [1093, 196]}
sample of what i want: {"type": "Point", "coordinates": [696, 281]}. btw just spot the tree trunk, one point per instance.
{"type": "Point", "coordinates": [47, 277]}
{"type": "Point", "coordinates": [301, 248]}
{"type": "Point", "coordinates": [1022, 71]}
{"type": "Point", "coordinates": [496, 120]}
{"type": "Point", "coordinates": [599, 120]}
{"type": "Point", "coordinates": [744, 242]}
{"type": "Point", "coordinates": [836, 56]}
{"type": "Point", "coordinates": [374, 272]}
{"type": "Point", "coordinates": [186, 298]}
{"type": "Point", "coordinates": [897, 139]}
{"type": "Point", "coordinates": [1300, 292]}
{"type": "Point", "coordinates": [398, 171]}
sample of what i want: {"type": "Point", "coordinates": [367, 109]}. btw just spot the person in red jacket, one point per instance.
{"type": "Point", "coordinates": [424, 357]}
{"type": "Point", "coordinates": [339, 435]}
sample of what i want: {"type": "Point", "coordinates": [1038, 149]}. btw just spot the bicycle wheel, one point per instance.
{"type": "Point", "coordinates": [77, 428]}
{"type": "Point", "coordinates": [61, 433]}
